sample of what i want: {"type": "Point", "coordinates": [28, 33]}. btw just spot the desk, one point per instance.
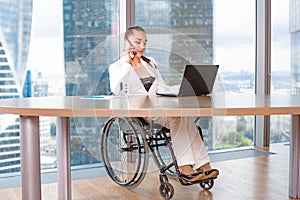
{"type": "Point", "coordinates": [63, 108]}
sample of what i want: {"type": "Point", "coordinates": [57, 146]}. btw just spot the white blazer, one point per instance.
{"type": "Point", "coordinates": [121, 71]}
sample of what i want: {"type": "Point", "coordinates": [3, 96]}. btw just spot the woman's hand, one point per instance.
{"type": "Point", "coordinates": [132, 54]}
{"type": "Point", "coordinates": [132, 57]}
{"type": "Point", "coordinates": [129, 54]}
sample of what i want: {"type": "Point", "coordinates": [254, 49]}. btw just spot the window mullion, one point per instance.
{"type": "Point", "coordinates": [263, 67]}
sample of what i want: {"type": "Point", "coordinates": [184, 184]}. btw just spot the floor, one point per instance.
{"type": "Point", "coordinates": [251, 178]}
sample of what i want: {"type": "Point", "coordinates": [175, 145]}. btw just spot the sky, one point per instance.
{"type": "Point", "coordinates": [46, 45]}
{"type": "Point", "coordinates": [234, 42]}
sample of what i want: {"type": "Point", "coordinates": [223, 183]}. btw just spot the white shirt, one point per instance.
{"type": "Point", "coordinates": [122, 71]}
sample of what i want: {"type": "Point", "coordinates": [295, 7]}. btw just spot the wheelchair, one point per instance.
{"type": "Point", "coordinates": [125, 147]}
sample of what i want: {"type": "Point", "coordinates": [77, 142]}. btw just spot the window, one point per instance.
{"type": "Point", "coordinates": [199, 32]}
{"type": "Point", "coordinates": [90, 42]}
{"type": "Point", "coordinates": [180, 32]}
{"type": "Point", "coordinates": [281, 65]}
{"type": "Point", "coordinates": [3, 60]}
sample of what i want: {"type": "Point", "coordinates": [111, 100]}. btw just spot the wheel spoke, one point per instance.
{"type": "Point", "coordinates": [123, 142]}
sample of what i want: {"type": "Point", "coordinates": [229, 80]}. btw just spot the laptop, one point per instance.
{"type": "Point", "coordinates": [197, 80]}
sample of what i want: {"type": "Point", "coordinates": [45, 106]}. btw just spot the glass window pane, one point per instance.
{"type": "Point", "coordinates": [179, 32]}
{"type": "Point", "coordinates": [200, 32]}
{"type": "Point", "coordinates": [282, 32]}
{"type": "Point", "coordinates": [235, 44]}
{"type": "Point", "coordinates": [89, 34]}
{"type": "Point", "coordinates": [235, 53]}
{"type": "Point", "coordinates": [88, 29]}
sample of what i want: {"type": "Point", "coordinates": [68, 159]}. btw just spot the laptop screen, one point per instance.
{"type": "Point", "coordinates": [198, 80]}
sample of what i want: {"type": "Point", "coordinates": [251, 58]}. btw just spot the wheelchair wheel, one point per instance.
{"type": "Point", "coordinates": [166, 190]}
{"type": "Point", "coordinates": [207, 184]}
{"type": "Point", "coordinates": [124, 151]}
{"type": "Point", "coordinates": [164, 152]}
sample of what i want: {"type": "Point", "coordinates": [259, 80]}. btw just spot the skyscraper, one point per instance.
{"type": "Point", "coordinates": [15, 25]}
{"type": "Point", "coordinates": [27, 88]}
{"type": "Point", "coordinates": [87, 25]}
{"type": "Point", "coordinates": [183, 32]}
{"type": "Point", "coordinates": [15, 28]}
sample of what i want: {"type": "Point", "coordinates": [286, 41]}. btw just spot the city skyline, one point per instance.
{"type": "Point", "coordinates": [47, 37]}
{"type": "Point", "coordinates": [14, 44]}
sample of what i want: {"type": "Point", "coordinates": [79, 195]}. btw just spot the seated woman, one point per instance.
{"type": "Point", "coordinates": [142, 77]}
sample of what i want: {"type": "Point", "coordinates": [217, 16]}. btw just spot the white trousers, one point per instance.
{"type": "Point", "coordinates": [188, 146]}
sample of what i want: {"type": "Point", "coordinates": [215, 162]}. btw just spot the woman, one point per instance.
{"type": "Point", "coordinates": [141, 76]}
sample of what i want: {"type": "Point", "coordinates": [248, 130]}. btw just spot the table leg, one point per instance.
{"type": "Point", "coordinates": [63, 158]}
{"type": "Point", "coordinates": [295, 158]}
{"type": "Point", "coordinates": [30, 158]}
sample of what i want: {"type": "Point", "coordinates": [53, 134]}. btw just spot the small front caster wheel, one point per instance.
{"type": "Point", "coordinates": [166, 190]}
{"type": "Point", "coordinates": [207, 184]}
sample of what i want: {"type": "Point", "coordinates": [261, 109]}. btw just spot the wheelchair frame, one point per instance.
{"type": "Point", "coordinates": [125, 144]}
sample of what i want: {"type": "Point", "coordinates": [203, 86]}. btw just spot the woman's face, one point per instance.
{"type": "Point", "coordinates": [138, 41]}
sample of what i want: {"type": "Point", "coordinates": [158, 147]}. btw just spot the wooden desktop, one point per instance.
{"type": "Point", "coordinates": [30, 109]}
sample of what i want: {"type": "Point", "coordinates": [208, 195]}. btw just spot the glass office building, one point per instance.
{"type": "Point", "coordinates": [15, 28]}
{"type": "Point", "coordinates": [87, 24]}
{"type": "Point", "coordinates": [190, 24]}
{"type": "Point", "coordinates": [15, 25]}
